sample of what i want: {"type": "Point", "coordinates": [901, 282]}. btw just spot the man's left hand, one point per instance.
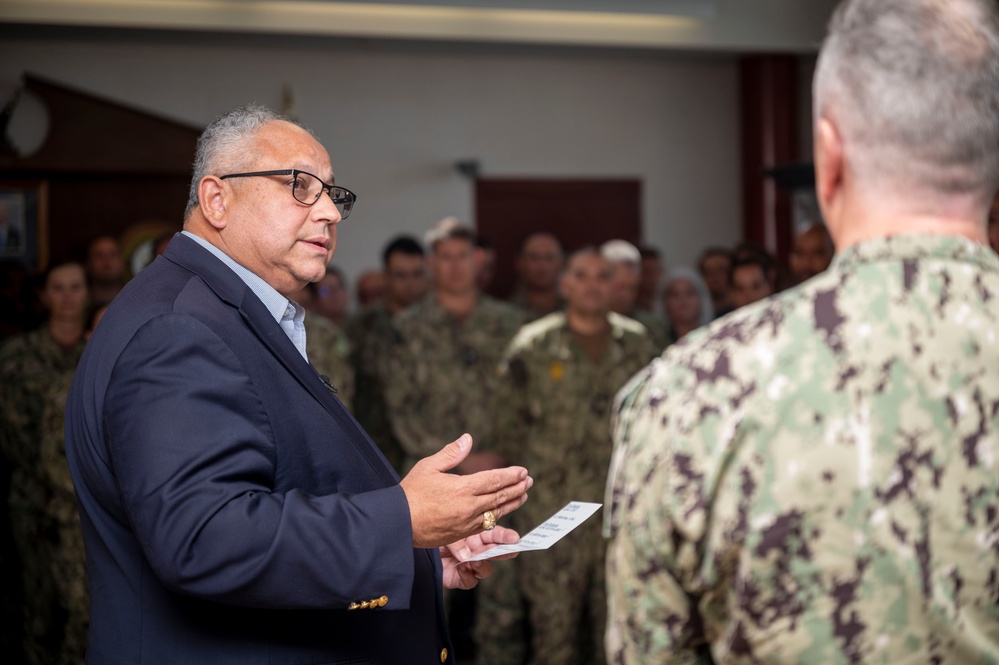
{"type": "Point", "coordinates": [459, 572]}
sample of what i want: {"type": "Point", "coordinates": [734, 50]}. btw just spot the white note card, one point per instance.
{"type": "Point", "coordinates": [548, 532]}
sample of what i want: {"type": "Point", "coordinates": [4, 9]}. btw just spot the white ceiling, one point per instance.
{"type": "Point", "coordinates": [700, 25]}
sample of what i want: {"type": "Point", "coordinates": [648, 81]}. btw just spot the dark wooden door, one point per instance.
{"type": "Point", "coordinates": [580, 212]}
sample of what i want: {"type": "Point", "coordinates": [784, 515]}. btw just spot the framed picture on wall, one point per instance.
{"type": "Point", "coordinates": [24, 223]}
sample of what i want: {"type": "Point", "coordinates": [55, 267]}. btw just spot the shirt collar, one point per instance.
{"type": "Point", "coordinates": [274, 302]}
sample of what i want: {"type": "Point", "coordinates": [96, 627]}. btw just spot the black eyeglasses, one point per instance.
{"type": "Point", "coordinates": [307, 188]}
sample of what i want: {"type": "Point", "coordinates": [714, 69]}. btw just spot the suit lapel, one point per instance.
{"type": "Point", "coordinates": [234, 292]}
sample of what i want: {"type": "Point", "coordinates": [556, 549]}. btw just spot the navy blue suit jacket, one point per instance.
{"type": "Point", "coordinates": [232, 508]}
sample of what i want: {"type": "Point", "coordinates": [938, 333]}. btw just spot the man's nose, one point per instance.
{"type": "Point", "coordinates": [327, 210]}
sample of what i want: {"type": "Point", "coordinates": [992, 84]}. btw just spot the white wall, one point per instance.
{"type": "Point", "coordinates": [396, 116]}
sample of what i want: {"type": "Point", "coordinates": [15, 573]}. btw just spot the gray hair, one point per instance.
{"type": "Point", "coordinates": [681, 273]}
{"type": "Point", "coordinates": [226, 144]}
{"type": "Point", "coordinates": [913, 86]}
{"type": "Point", "coordinates": [621, 251]}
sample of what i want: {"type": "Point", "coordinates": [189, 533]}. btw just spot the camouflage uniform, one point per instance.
{"type": "Point", "coordinates": [29, 365]}
{"type": "Point", "coordinates": [553, 417]}
{"type": "Point", "coordinates": [63, 547]}
{"type": "Point", "coordinates": [656, 327]}
{"type": "Point", "coordinates": [812, 479]}
{"type": "Point", "coordinates": [329, 352]}
{"type": "Point", "coordinates": [441, 375]}
{"type": "Point", "coordinates": [371, 337]}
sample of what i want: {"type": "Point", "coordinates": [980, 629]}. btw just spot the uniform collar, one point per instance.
{"type": "Point", "coordinates": [917, 247]}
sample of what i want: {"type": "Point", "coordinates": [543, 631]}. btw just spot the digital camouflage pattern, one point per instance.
{"type": "Point", "coordinates": [328, 349]}
{"type": "Point", "coordinates": [372, 336]}
{"type": "Point", "coordinates": [441, 376]}
{"type": "Point", "coordinates": [63, 546]}
{"type": "Point", "coordinates": [500, 633]}
{"type": "Point", "coordinates": [813, 478]}
{"type": "Point", "coordinates": [553, 417]}
{"type": "Point", "coordinates": [30, 365]}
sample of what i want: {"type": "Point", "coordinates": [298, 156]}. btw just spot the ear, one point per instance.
{"type": "Point", "coordinates": [212, 198]}
{"type": "Point", "coordinates": [829, 169]}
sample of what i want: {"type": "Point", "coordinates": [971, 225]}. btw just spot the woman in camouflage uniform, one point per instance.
{"type": "Point", "coordinates": [30, 365]}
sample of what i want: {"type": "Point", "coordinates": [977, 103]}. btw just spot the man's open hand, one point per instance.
{"type": "Point", "coordinates": [446, 508]}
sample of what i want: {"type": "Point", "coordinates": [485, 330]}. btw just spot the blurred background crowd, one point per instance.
{"type": "Point", "coordinates": [420, 353]}
{"type": "Point", "coordinates": [519, 329]}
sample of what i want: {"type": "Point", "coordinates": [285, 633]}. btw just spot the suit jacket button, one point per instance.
{"type": "Point", "coordinates": [444, 655]}
{"type": "Point", "coordinates": [383, 601]}
{"type": "Point", "coordinates": [353, 606]}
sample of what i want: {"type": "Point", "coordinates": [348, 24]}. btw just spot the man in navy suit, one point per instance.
{"type": "Point", "coordinates": [233, 511]}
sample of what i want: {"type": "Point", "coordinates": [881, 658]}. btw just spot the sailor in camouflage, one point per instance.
{"type": "Point", "coordinates": [538, 266]}
{"type": "Point", "coordinates": [627, 262]}
{"type": "Point", "coordinates": [62, 547]}
{"type": "Point", "coordinates": [560, 374]}
{"type": "Point", "coordinates": [813, 479]}
{"type": "Point", "coordinates": [441, 373]}
{"type": "Point", "coordinates": [372, 335]}
{"type": "Point", "coordinates": [30, 365]}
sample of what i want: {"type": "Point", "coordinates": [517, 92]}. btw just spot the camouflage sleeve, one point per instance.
{"type": "Point", "coordinates": [656, 328]}
{"type": "Point", "coordinates": [654, 562]}
{"type": "Point", "coordinates": [68, 562]}
{"type": "Point", "coordinates": [660, 335]}
{"type": "Point", "coordinates": [405, 397]}
{"type": "Point", "coordinates": [55, 468]}
{"type": "Point", "coordinates": [651, 348]}
{"type": "Point", "coordinates": [359, 329]}
{"type": "Point", "coordinates": [15, 415]}
{"type": "Point", "coordinates": [354, 329]}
